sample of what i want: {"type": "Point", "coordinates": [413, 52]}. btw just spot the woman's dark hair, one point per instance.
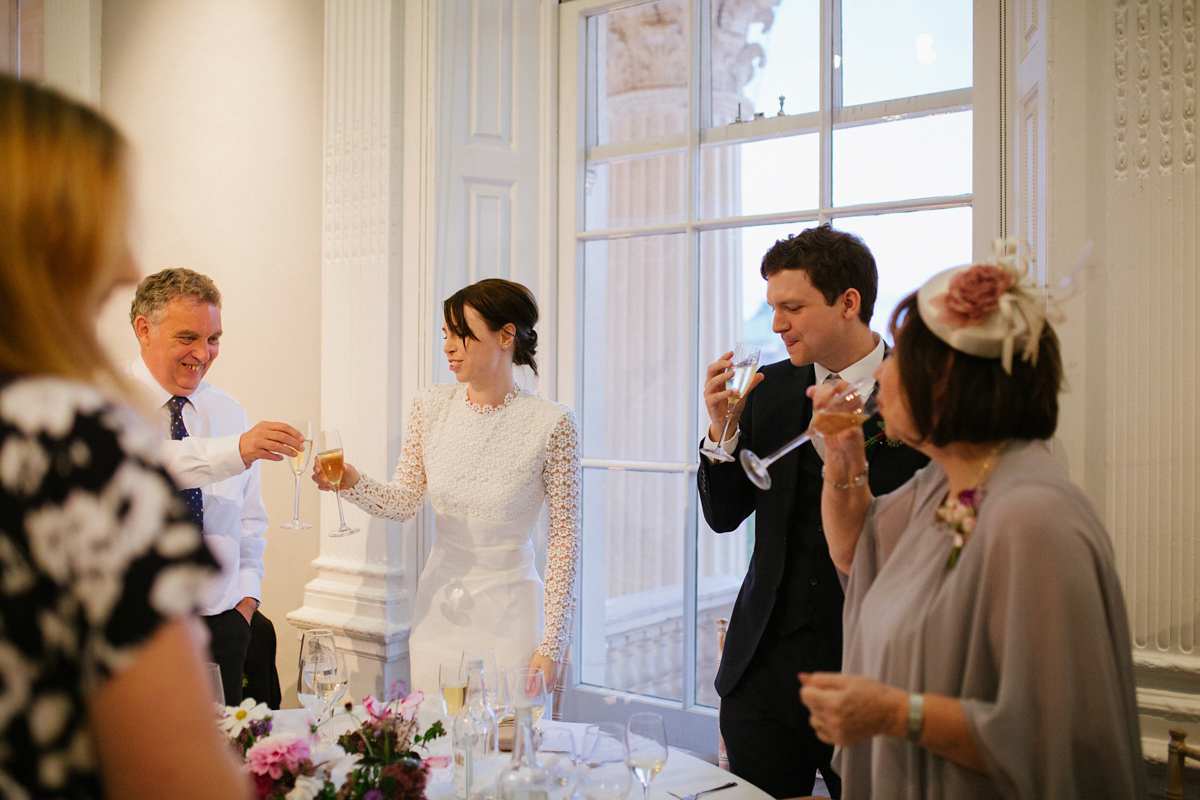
{"type": "Point", "coordinates": [956, 397]}
{"type": "Point", "coordinates": [499, 303]}
{"type": "Point", "coordinates": [834, 262]}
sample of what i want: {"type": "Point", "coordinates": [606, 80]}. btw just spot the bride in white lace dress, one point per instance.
{"type": "Point", "coordinates": [488, 454]}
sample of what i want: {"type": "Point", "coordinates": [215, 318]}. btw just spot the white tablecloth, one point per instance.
{"type": "Point", "coordinates": [683, 774]}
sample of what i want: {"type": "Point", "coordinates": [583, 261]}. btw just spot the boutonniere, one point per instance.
{"type": "Point", "coordinates": [958, 515]}
{"type": "Point", "coordinates": [881, 437]}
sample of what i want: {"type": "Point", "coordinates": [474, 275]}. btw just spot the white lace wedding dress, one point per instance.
{"type": "Point", "coordinates": [487, 471]}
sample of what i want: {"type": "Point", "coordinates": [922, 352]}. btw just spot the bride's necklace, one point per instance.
{"type": "Point", "coordinates": [958, 514]}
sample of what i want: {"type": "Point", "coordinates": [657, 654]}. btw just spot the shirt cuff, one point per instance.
{"type": "Point", "coordinates": [729, 445]}
{"type": "Point", "coordinates": [250, 585]}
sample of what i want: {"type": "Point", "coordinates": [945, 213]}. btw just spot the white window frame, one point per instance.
{"type": "Point", "coordinates": [690, 725]}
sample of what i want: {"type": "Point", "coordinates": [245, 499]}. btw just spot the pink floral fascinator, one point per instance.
{"type": "Point", "coordinates": [996, 308]}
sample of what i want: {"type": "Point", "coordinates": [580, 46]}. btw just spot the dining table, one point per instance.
{"type": "Point", "coordinates": [683, 774]}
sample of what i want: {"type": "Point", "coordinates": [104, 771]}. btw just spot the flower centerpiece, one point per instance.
{"type": "Point", "coordinates": [288, 768]}
{"type": "Point", "coordinates": [386, 743]}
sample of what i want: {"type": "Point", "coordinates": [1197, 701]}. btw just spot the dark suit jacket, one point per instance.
{"type": "Point", "coordinates": [777, 411]}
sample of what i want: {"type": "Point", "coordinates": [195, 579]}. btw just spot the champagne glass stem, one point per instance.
{"type": "Point", "coordinates": [341, 516]}
{"type": "Point", "coordinates": [296, 505]}
{"type": "Point", "coordinates": [787, 448]}
{"type": "Point", "coordinates": [725, 427]}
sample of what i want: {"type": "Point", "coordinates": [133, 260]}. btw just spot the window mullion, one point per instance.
{"type": "Point", "coordinates": [825, 172]}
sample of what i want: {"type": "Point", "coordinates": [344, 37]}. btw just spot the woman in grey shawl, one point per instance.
{"type": "Point", "coordinates": [987, 650]}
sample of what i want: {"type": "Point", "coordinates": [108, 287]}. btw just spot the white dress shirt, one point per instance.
{"type": "Point", "coordinates": [208, 458]}
{"type": "Point", "coordinates": [863, 368]}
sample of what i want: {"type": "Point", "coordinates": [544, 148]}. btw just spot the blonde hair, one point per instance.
{"type": "Point", "coordinates": [63, 237]}
{"type": "Point", "coordinates": [157, 290]}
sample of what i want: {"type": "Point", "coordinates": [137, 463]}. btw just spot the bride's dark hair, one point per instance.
{"type": "Point", "coordinates": [499, 303]}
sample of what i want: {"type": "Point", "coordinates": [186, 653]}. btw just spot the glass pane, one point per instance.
{"type": "Point", "coordinates": [761, 177]}
{"type": "Point", "coordinates": [922, 157]}
{"type": "Point", "coordinates": [892, 49]}
{"type": "Point", "coordinates": [640, 79]}
{"type": "Point", "coordinates": [632, 581]}
{"type": "Point", "coordinates": [909, 248]}
{"type": "Point", "coordinates": [636, 381]}
{"type": "Point", "coordinates": [635, 192]}
{"type": "Point", "coordinates": [721, 562]}
{"type": "Point", "coordinates": [760, 53]}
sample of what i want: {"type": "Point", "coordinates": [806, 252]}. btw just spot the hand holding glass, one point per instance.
{"type": "Point", "coordinates": [529, 688]}
{"type": "Point", "coordinates": [299, 464]}
{"type": "Point", "coordinates": [646, 738]}
{"type": "Point", "coordinates": [852, 406]}
{"type": "Point", "coordinates": [332, 463]}
{"type": "Point", "coordinates": [745, 365]}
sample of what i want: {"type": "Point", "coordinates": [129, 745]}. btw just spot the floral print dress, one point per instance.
{"type": "Point", "coordinates": [95, 553]}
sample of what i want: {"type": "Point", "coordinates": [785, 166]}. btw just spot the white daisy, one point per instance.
{"type": "Point", "coordinates": [238, 719]}
{"type": "Point", "coordinates": [307, 787]}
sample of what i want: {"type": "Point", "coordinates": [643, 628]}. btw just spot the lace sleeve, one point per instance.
{"type": "Point", "coordinates": [401, 498]}
{"type": "Point", "coordinates": [563, 479]}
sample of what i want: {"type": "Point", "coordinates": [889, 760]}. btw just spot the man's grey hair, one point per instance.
{"type": "Point", "coordinates": [157, 290]}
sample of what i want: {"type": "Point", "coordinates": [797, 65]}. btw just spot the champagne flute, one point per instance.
{"type": "Point", "coordinates": [299, 465]}
{"type": "Point", "coordinates": [852, 406]}
{"type": "Point", "coordinates": [497, 695]}
{"type": "Point", "coordinates": [745, 364]}
{"type": "Point", "coordinates": [607, 774]}
{"type": "Point", "coordinates": [218, 687]}
{"type": "Point", "coordinates": [452, 681]}
{"type": "Point", "coordinates": [529, 688]}
{"type": "Point", "coordinates": [332, 464]}
{"type": "Point", "coordinates": [646, 738]}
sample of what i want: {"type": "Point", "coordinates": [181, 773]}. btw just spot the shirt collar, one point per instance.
{"type": "Point", "coordinates": [157, 394]}
{"type": "Point", "coordinates": [858, 371]}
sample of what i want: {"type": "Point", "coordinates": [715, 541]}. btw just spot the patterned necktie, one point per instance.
{"type": "Point", "coordinates": [192, 498]}
{"type": "Point", "coordinates": [819, 443]}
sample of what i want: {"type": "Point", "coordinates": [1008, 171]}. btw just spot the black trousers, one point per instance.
{"type": "Point", "coordinates": [229, 640]}
{"type": "Point", "coordinates": [767, 734]}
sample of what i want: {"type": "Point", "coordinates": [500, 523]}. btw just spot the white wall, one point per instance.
{"type": "Point", "coordinates": [222, 101]}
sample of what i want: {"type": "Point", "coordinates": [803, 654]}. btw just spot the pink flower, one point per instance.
{"type": "Point", "coordinates": [274, 755]}
{"type": "Point", "coordinates": [375, 710]}
{"type": "Point", "coordinates": [972, 295]}
{"type": "Point", "coordinates": [408, 706]}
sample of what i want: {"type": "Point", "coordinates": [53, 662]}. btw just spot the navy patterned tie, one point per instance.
{"type": "Point", "coordinates": [192, 498]}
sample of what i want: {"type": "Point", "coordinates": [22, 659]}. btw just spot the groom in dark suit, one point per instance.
{"type": "Point", "coordinates": [821, 285]}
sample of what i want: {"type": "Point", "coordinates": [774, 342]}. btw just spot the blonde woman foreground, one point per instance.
{"type": "Point", "coordinates": [489, 454]}
{"type": "Point", "coordinates": [103, 690]}
{"type": "Point", "coordinates": [987, 649]}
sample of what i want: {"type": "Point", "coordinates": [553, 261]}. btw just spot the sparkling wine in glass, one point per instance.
{"type": "Point", "coordinates": [745, 364]}
{"type": "Point", "coordinates": [299, 464]}
{"type": "Point", "coordinates": [852, 406]}
{"type": "Point", "coordinates": [332, 462]}
{"type": "Point", "coordinates": [452, 681]}
{"type": "Point", "coordinates": [646, 738]}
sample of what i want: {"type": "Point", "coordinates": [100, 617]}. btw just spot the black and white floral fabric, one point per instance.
{"type": "Point", "coordinates": [95, 553]}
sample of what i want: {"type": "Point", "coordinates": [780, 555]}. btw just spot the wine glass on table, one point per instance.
{"type": "Point", "coordinates": [646, 738]}
{"type": "Point", "coordinates": [497, 695]}
{"type": "Point", "coordinates": [745, 364]}
{"type": "Point", "coordinates": [452, 681]}
{"type": "Point", "coordinates": [299, 465]}
{"type": "Point", "coordinates": [606, 774]}
{"type": "Point", "coordinates": [529, 688]}
{"type": "Point", "coordinates": [557, 753]}
{"type": "Point", "coordinates": [852, 406]}
{"type": "Point", "coordinates": [332, 462]}
{"type": "Point", "coordinates": [316, 654]}
{"type": "Point", "coordinates": [218, 686]}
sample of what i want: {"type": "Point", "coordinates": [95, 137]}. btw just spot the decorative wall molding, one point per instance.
{"type": "Point", "coordinates": [1166, 65]}
{"type": "Point", "coordinates": [361, 586]}
{"type": "Point", "coordinates": [1188, 38]}
{"type": "Point", "coordinates": [1121, 85]}
{"type": "Point", "coordinates": [489, 228]}
{"type": "Point", "coordinates": [1142, 81]}
{"type": "Point", "coordinates": [492, 78]}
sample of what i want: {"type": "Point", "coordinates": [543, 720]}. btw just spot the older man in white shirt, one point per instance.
{"type": "Point", "coordinates": [210, 449]}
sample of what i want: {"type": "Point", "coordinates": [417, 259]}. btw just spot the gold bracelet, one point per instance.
{"type": "Point", "coordinates": [854, 483]}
